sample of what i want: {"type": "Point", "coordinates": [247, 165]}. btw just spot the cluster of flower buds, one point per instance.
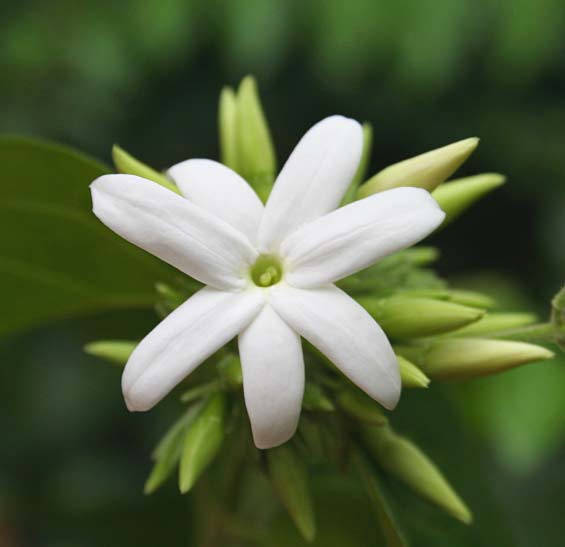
{"type": "Point", "coordinates": [437, 332]}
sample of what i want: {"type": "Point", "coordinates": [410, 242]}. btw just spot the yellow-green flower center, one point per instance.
{"type": "Point", "coordinates": [266, 271]}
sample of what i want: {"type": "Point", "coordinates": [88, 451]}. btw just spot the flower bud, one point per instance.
{"type": "Point", "coordinates": [496, 322]}
{"type": "Point", "coordinates": [170, 298]}
{"type": "Point", "coordinates": [360, 407]}
{"type": "Point", "coordinates": [227, 115]}
{"type": "Point", "coordinates": [558, 317]}
{"type": "Point", "coordinates": [459, 296]}
{"type": "Point", "coordinates": [230, 369]}
{"type": "Point", "coordinates": [405, 461]}
{"type": "Point", "coordinates": [289, 477]}
{"type": "Point", "coordinates": [427, 170]}
{"type": "Point", "coordinates": [461, 358]}
{"type": "Point", "coordinates": [167, 453]}
{"type": "Point", "coordinates": [126, 163]}
{"type": "Point", "coordinates": [410, 374]}
{"type": "Point", "coordinates": [419, 256]}
{"type": "Point", "coordinates": [470, 298]}
{"type": "Point", "coordinates": [558, 308]}
{"type": "Point", "coordinates": [406, 317]}
{"type": "Point", "coordinates": [256, 160]}
{"type": "Point", "coordinates": [315, 399]}
{"type": "Point", "coordinates": [201, 391]}
{"type": "Point", "coordinates": [202, 441]}
{"type": "Point", "coordinates": [361, 172]}
{"type": "Point", "coordinates": [115, 351]}
{"type": "Point", "coordinates": [392, 535]}
{"type": "Point", "coordinates": [456, 196]}
{"type": "Point", "coordinates": [434, 294]}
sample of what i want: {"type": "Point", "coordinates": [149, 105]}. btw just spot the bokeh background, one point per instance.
{"type": "Point", "coordinates": [146, 74]}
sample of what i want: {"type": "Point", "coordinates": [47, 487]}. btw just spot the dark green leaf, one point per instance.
{"type": "Point", "coordinates": [56, 259]}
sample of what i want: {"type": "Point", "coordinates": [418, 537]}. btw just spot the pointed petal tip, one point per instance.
{"type": "Point", "coordinates": [352, 125]}
{"type": "Point", "coordinates": [391, 399]}
{"type": "Point", "coordinates": [136, 402]}
{"type": "Point", "coordinates": [265, 441]}
{"type": "Point", "coordinates": [105, 182]}
{"type": "Point", "coordinates": [341, 123]}
{"type": "Point", "coordinates": [132, 406]}
{"type": "Point", "coordinates": [387, 391]}
{"type": "Point", "coordinates": [95, 183]}
{"type": "Point", "coordinates": [265, 438]}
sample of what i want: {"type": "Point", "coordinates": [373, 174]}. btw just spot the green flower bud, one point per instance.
{"type": "Point", "coordinates": [391, 534]}
{"type": "Point", "coordinates": [459, 296]}
{"type": "Point", "coordinates": [558, 308]}
{"type": "Point", "coordinates": [315, 400]}
{"type": "Point", "coordinates": [461, 358]}
{"type": "Point", "coordinates": [227, 116]}
{"type": "Point", "coordinates": [405, 461]}
{"type": "Point", "coordinates": [456, 196]}
{"type": "Point", "coordinates": [256, 160]}
{"type": "Point", "coordinates": [167, 453]}
{"type": "Point", "coordinates": [496, 322]}
{"type": "Point", "coordinates": [410, 374]}
{"type": "Point", "coordinates": [289, 477]}
{"type": "Point", "coordinates": [558, 317]}
{"type": "Point", "coordinates": [470, 298]}
{"type": "Point", "coordinates": [126, 163]}
{"type": "Point", "coordinates": [310, 433]}
{"type": "Point", "coordinates": [361, 172]}
{"type": "Point", "coordinates": [434, 294]}
{"type": "Point", "coordinates": [230, 369]}
{"type": "Point", "coordinates": [419, 256]}
{"type": "Point", "coordinates": [115, 351]}
{"type": "Point", "coordinates": [406, 317]}
{"type": "Point", "coordinates": [427, 170]}
{"type": "Point", "coordinates": [360, 407]}
{"type": "Point", "coordinates": [201, 391]}
{"type": "Point", "coordinates": [172, 298]}
{"type": "Point", "coordinates": [202, 441]}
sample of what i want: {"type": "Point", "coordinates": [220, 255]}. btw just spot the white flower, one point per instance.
{"type": "Point", "coordinates": [269, 272]}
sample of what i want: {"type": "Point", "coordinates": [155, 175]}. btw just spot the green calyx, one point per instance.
{"type": "Point", "coordinates": [266, 271]}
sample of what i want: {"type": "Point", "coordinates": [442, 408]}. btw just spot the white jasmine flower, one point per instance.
{"type": "Point", "coordinates": [269, 272]}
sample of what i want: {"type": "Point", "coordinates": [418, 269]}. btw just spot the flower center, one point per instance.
{"type": "Point", "coordinates": [266, 271]}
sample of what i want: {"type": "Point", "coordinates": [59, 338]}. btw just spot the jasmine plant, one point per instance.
{"type": "Point", "coordinates": [335, 314]}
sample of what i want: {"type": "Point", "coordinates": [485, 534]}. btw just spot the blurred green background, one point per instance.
{"type": "Point", "coordinates": [147, 74]}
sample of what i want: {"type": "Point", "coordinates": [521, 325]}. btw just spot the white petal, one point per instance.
{"type": "Point", "coordinates": [313, 180]}
{"type": "Point", "coordinates": [357, 235]}
{"type": "Point", "coordinates": [346, 334]}
{"type": "Point", "coordinates": [173, 229]}
{"type": "Point", "coordinates": [273, 378]}
{"type": "Point", "coordinates": [189, 335]}
{"type": "Point", "coordinates": [220, 191]}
